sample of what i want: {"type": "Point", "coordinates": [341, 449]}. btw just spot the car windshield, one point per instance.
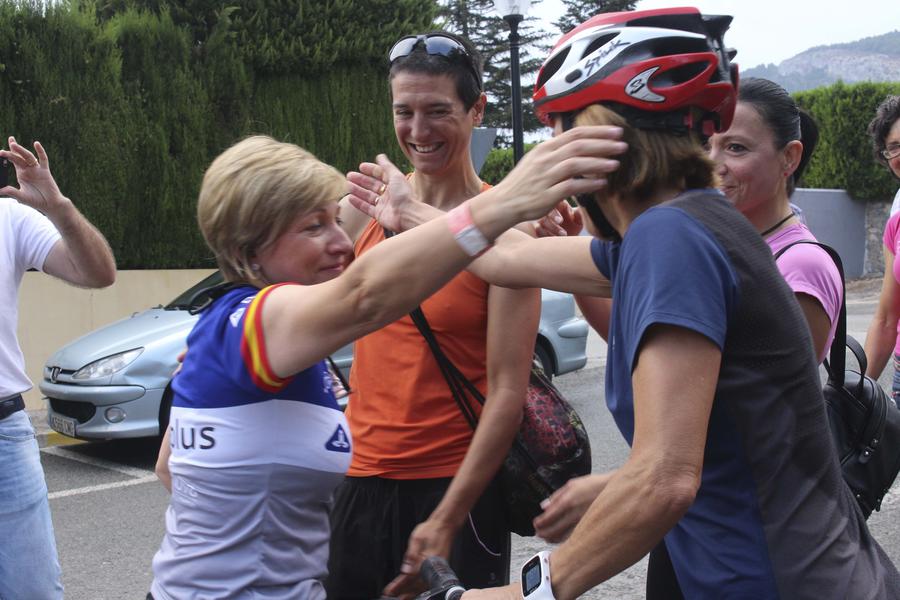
{"type": "Point", "coordinates": [182, 302]}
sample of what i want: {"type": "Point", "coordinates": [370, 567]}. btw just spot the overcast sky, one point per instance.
{"type": "Point", "coordinates": [769, 31]}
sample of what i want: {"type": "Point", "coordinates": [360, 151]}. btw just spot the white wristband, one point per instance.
{"type": "Point", "coordinates": [467, 235]}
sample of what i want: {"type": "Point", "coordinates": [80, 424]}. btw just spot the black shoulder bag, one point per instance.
{"type": "Point", "coordinates": [864, 420]}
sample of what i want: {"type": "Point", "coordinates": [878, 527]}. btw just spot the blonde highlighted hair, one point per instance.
{"type": "Point", "coordinates": [252, 193]}
{"type": "Point", "coordinates": [655, 160]}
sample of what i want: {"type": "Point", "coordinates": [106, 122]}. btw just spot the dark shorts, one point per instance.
{"type": "Point", "coordinates": [373, 518]}
{"type": "Point", "coordinates": [661, 581]}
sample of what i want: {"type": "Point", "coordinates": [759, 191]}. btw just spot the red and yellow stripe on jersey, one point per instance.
{"type": "Point", "coordinates": [253, 346]}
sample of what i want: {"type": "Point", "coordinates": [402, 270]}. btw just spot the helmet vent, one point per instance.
{"type": "Point", "coordinates": [680, 74]}
{"type": "Point", "coordinates": [551, 67]}
{"type": "Point", "coordinates": [598, 43]}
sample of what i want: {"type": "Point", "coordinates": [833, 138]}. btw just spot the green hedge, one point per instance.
{"type": "Point", "coordinates": [132, 106]}
{"type": "Point", "coordinates": [843, 158]}
{"type": "Point", "coordinates": [498, 163]}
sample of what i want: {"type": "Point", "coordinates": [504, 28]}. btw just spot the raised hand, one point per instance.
{"type": "Point", "coordinates": [382, 192]}
{"type": "Point", "coordinates": [572, 163]}
{"type": "Point", "coordinates": [37, 188]}
{"type": "Point", "coordinates": [564, 509]}
{"type": "Point", "coordinates": [564, 220]}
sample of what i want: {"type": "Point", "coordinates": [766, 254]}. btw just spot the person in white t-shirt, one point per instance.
{"type": "Point", "coordinates": [40, 229]}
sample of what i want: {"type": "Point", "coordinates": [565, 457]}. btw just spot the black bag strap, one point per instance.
{"type": "Point", "coordinates": [457, 381]}
{"type": "Point", "coordinates": [837, 356]}
{"type": "Point", "coordinates": [459, 384]}
{"type": "Point", "coordinates": [338, 374]}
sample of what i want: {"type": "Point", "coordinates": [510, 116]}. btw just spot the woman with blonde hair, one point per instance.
{"type": "Point", "coordinates": [256, 441]}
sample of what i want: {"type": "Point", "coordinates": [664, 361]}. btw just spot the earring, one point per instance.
{"type": "Point", "coordinates": [254, 267]}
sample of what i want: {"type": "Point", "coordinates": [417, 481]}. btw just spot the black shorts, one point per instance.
{"type": "Point", "coordinates": [661, 581]}
{"type": "Point", "coordinates": [373, 518]}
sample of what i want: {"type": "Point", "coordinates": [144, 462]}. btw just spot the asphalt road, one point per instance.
{"type": "Point", "coordinates": [108, 509]}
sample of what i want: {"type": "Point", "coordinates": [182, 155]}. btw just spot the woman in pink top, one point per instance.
{"type": "Point", "coordinates": [760, 158]}
{"type": "Point", "coordinates": [882, 334]}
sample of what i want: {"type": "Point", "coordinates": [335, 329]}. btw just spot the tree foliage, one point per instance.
{"type": "Point", "coordinates": [498, 164]}
{"type": "Point", "coordinates": [133, 102]}
{"type": "Point", "coordinates": [579, 11]}
{"type": "Point", "coordinates": [477, 21]}
{"type": "Point", "coordinates": [844, 158]}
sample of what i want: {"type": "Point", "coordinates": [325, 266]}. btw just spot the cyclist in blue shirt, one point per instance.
{"type": "Point", "coordinates": [709, 376]}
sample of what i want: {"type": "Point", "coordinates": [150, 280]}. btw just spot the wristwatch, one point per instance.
{"type": "Point", "coordinates": [536, 577]}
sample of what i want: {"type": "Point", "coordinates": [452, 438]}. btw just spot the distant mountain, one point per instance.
{"type": "Point", "coordinates": [869, 59]}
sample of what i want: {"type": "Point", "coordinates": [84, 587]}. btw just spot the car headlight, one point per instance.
{"type": "Point", "coordinates": [107, 366]}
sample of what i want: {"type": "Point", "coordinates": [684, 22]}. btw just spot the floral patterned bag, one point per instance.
{"type": "Point", "coordinates": [550, 448]}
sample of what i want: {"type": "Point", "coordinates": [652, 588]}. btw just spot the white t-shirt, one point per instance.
{"type": "Point", "coordinates": [26, 238]}
{"type": "Point", "coordinates": [896, 205]}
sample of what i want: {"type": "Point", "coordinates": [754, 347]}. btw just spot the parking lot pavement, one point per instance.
{"type": "Point", "coordinates": [108, 509]}
{"type": "Point", "coordinates": [108, 515]}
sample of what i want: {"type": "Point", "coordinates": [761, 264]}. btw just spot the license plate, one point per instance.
{"type": "Point", "coordinates": [64, 425]}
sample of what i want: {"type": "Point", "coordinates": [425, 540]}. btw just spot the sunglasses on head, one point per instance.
{"type": "Point", "coordinates": [434, 44]}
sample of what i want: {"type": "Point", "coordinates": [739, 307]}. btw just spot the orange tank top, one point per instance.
{"type": "Point", "coordinates": [403, 418]}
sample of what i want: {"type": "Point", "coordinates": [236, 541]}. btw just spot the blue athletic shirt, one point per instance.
{"type": "Point", "coordinates": [772, 518]}
{"type": "Point", "coordinates": [255, 459]}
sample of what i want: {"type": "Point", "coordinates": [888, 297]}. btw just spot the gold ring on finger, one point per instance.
{"type": "Point", "coordinates": [381, 190]}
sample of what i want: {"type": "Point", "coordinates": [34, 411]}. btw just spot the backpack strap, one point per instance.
{"type": "Point", "coordinates": [837, 356]}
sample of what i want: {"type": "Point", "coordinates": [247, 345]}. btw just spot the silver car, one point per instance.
{"type": "Point", "coordinates": [115, 382]}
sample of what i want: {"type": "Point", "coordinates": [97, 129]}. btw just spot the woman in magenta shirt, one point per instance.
{"type": "Point", "coordinates": [882, 335]}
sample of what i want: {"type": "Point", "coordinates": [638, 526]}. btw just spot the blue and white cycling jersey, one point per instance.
{"type": "Point", "coordinates": [255, 459]}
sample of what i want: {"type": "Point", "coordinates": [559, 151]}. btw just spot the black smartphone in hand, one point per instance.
{"type": "Point", "coordinates": [4, 171]}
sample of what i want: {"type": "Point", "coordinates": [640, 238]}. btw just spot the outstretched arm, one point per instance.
{"type": "Point", "coordinates": [82, 257]}
{"type": "Point", "coordinates": [516, 261]}
{"type": "Point", "coordinates": [389, 280]}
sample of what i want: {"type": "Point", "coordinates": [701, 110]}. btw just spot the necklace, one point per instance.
{"type": "Point", "coordinates": [776, 225]}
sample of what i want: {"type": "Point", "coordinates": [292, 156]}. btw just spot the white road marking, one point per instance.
{"type": "Point", "coordinates": [101, 487]}
{"type": "Point", "coordinates": [138, 476]}
{"type": "Point", "coordinates": [63, 452]}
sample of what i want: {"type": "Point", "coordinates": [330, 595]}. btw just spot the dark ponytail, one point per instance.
{"type": "Point", "coordinates": [809, 137]}
{"type": "Point", "coordinates": [784, 119]}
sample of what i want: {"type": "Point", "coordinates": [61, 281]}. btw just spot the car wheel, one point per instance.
{"type": "Point", "coordinates": [165, 407]}
{"type": "Point", "coordinates": [543, 360]}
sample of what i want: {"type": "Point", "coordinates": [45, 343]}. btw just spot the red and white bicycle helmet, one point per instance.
{"type": "Point", "coordinates": [651, 65]}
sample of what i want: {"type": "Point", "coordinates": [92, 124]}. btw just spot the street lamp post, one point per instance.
{"type": "Point", "coordinates": [513, 11]}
